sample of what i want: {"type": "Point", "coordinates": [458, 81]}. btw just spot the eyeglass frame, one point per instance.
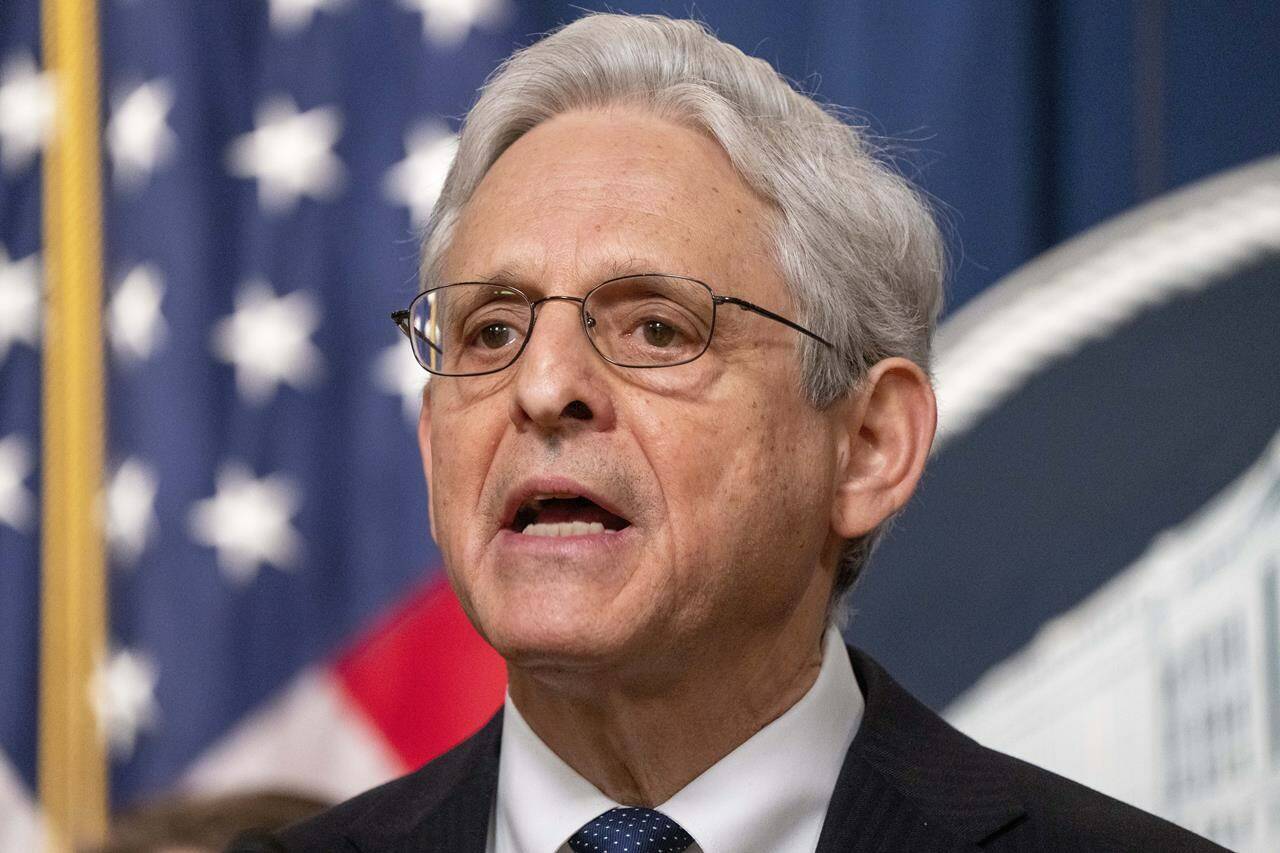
{"type": "Point", "coordinates": [401, 319]}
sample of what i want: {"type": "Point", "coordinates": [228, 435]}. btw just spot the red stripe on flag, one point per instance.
{"type": "Point", "coordinates": [424, 676]}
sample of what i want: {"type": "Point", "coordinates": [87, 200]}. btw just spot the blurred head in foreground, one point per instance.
{"type": "Point", "coordinates": [205, 824]}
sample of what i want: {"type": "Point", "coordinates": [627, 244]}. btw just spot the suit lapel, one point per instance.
{"type": "Point", "coordinates": [448, 810]}
{"type": "Point", "coordinates": [910, 781]}
{"type": "Point", "coordinates": [868, 815]}
{"type": "Point", "coordinates": [461, 821]}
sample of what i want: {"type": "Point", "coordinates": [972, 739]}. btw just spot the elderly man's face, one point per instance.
{"type": "Point", "coordinates": [713, 479]}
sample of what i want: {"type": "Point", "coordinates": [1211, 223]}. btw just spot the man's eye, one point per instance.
{"type": "Point", "coordinates": [658, 334]}
{"type": "Point", "coordinates": [496, 335]}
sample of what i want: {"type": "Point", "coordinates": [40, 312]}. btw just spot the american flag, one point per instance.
{"type": "Point", "coordinates": [276, 611]}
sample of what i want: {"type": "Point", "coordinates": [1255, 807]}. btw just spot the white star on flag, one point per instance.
{"type": "Point", "coordinates": [291, 16]}
{"type": "Point", "coordinates": [247, 522]}
{"type": "Point", "coordinates": [290, 154]}
{"type": "Point", "coordinates": [27, 98]}
{"type": "Point", "coordinates": [135, 323]}
{"type": "Point", "coordinates": [19, 301]}
{"type": "Point", "coordinates": [138, 135]}
{"type": "Point", "coordinates": [122, 691]}
{"type": "Point", "coordinates": [268, 339]}
{"type": "Point", "coordinates": [131, 517]}
{"type": "Point", "coordinates": [16, 465]}
{"type": "Point", "coordinates": [396, 371]}
{"type": "Point", "coordinates": [415, 182]}
{"type": "Point", "coordinates": [448, 22]}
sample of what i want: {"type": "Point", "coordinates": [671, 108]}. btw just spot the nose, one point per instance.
{"type": "Point", "coordinates": [561, 382]}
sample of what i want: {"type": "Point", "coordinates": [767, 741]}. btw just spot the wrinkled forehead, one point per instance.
{"type": "Point", "coordinates": [591, 195]}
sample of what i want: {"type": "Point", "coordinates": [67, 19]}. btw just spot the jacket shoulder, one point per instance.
{"type": "Point", "coordinates": [986, 797]}
{"type": "Point", "coordinates": [1065, 815]}
{"type": "Point", "coordinates": [459, 784]}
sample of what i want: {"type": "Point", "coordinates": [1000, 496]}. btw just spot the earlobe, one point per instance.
{"type": "Point", "coordinates": [886, 431]}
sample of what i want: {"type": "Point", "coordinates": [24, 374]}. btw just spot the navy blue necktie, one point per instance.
{"type": "Point", "coordinates": [628, 830]}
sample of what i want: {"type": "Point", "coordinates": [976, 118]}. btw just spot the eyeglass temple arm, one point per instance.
{"type": "Point", "coordinates": [765, 312]}
{"type": "Point", "coordinates": [401, 319]}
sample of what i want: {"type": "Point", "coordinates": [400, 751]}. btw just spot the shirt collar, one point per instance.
{"type": "Point", "coordinates": [541, 800]}
{"type": "Point", "coordinates": [771, 793]}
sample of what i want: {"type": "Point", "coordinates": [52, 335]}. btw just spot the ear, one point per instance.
{"type": "Point", "coordinates": [887, 429]}
{"type": "Point", "coordinates": [424, 447]}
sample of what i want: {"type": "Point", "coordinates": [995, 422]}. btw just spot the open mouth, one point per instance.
{"type": "Point", "coordinates": [564, 515]}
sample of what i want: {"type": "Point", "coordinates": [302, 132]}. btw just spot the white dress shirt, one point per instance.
{"type": "Point", "coordinates": [771, 793]}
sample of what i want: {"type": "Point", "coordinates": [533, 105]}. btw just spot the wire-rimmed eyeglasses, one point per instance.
{"type": "Point", "coordinates": [648, 320]}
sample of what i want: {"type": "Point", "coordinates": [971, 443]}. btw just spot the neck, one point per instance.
{"type": "Point", "coordinates": [639, 746]}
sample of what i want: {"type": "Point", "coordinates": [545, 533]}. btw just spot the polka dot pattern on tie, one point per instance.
{"type": "Point", "coordinates": [631, 830]}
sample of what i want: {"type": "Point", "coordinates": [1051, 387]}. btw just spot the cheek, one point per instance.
{"type": "Point", "coordinates": [743, 470]}
{"type": "Point", "coordinates": [461, 454]}
{"type": "Point", "coordinates": [780, 519]}
{"type": "Point", "coordinates": [443, 499]}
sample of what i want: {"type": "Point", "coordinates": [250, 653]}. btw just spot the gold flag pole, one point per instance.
{"type": "Point", "coordinates": [72, 757]}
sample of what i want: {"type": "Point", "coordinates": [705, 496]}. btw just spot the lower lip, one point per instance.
{"type": "Point", "coordinates": [585, 545]}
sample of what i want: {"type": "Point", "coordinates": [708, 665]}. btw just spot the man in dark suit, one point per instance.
{"type": "Point", "coordinates": [678, 321]}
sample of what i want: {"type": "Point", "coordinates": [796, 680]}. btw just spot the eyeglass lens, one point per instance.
{"type": "Point", "coordinates": [638, 321]}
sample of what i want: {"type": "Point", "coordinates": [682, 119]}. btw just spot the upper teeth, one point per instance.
{"type": "Point", "coordinates": [554, 496]}
{"type": "Point", "coordinates": [565, 528]}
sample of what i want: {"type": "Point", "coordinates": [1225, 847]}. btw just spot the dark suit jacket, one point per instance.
{"type": "Point", "coordinates": [910, 782]}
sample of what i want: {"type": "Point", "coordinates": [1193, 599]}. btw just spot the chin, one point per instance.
{"type": "Point", "coordinates": [555, 638]}
{"type": "Point", "coordinates": [560, 614]}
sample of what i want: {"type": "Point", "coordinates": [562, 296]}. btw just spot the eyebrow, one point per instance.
{"type": "Point", "coordinates": [506, 274]}
{"type": "Point", "coordinates": [519, 275]}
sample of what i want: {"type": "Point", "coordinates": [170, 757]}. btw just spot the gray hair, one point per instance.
{"type": "Point", "coordinates": [856, 244]}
